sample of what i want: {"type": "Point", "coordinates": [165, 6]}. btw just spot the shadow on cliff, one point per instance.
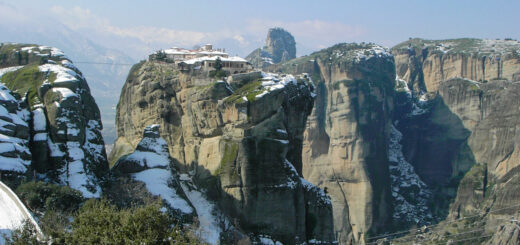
{"type": "Point", "coordinates": [436, 144]}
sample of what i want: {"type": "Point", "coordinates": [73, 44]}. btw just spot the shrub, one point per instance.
{"type": "Point", "coordinates": [99, 222]}
{"type": "Point", "coordinates": [25, 235]}
{"type": "Point", "coordinates": [40, 196]}
{"type": "Point", "coordinates": [218, 74]}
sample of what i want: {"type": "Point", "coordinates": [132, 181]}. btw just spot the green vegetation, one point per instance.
{"type": "Point", "coordinates": [6, 52]}
{"type": "Point", "coordinates": [24, 236]}
{"type": "Point", "coordinates": [218, 72]}
{"type": "Point", "coordinates": [40, 197]}
{"type": "Point", "coordinates": [99, 222]}
{"type": "Point", "coordinates": [134, 71]}
{"type": "Point", "coordinates": [249, 90]}
{"type": "Point", "coordinates": [475, 177]}
{"type": "Point", "coordinates": [161, 56]}
{"type": "Point", "coordinates": [457, 45]}
{"type": "Point", "coordinates": [27, 80]}
{"type": "Point", "coordinates": [227, 161]}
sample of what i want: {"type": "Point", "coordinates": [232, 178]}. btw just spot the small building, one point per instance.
{"type": "Point", "coordinates": [233, 64]}
{"type": "Point", "coordinates": [203, 58]}
{"type": "Point", "coordinates": [179, 54]}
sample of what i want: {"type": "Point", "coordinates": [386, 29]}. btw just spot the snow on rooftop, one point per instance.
{"type": "Point", "coordinates": [214, 58]}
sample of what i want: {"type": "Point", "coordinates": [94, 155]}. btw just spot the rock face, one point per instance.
{"type": "Point", "coordinates": [345, 142]}
{"type": "Point", "coordinates": [508, 234]}
{"type": "Point", "coordinates": [15, 153]}
{"type": "Point", "coordinates": [279, 47]}
{"type": "Point", "coordinates": [460, 131]}
{"type": "Point", "coordinates": [151, 164]}
{"type": "Point", "coordinates": [240, 140]}
{"type": "Point", "coordinates": [426, 63]}
{"type": "Point", "coordinates": [57, 117]}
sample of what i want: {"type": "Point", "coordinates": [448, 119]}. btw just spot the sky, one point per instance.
{"type": "Point", "coordinates": [137, 28]}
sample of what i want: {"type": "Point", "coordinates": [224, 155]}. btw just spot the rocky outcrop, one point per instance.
{"type": "Point", "coordinates": [461, 122]}
{"type": "Point", "coordinates": [426, 63]}
{"type": "Point", "coordinates": [241, 141]}
{"type": "Point", "coordinates": [279, 47]}
{"type": "Point", "coordinates": [152, 165]}
{"type": "Point", "coordinates": [59, 120]}
{"type": "Point", "coordinates": [345, 143]}
{"type": "Point", "coordinates": [15, 154]}
{"type": "Point", "coordinates": [507, 234]}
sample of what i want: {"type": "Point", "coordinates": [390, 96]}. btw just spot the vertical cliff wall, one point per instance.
{"type": "Point", "coordinates": [345, 143]}
{"type": "Point", "coordinates": [426, 63]}
{"type": "Point", "coordinates": [460, 125]}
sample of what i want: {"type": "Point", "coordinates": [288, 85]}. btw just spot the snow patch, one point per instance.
{"type": "Point", "coordinates": [12, 212]}
{"type": "Point", "coordinates": [63, 74]}
{"type": "Point", "coordinates": [209, 228]}
{"type": "Point", "coordinates": [39, 119]}
{"type": "Point", "coordinates": [310, 187]}
{"type": "Point", "coordinates": [65, 92]}
{"type": "Point", "coordinates": [9, 69]}
{"type": "Point", "coordinates": [157, 183]}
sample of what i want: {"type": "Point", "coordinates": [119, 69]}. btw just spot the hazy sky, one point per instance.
{"type": "Point", "coordinates": [137, 27]}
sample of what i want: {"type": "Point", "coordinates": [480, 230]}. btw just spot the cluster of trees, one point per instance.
{"type": "Point", "coordinates": [218, 72]}
{"type": "Point", "coordinates": [67, 219]}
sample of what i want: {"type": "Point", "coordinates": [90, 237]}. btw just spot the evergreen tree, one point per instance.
{"type": "Point", "coordinates": [218, 64]}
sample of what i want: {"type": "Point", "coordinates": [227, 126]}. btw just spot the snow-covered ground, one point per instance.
{"type": "Point", "coordinates": [157, 183]}
{"type": "Point", "coordinates": [12, 212]}
{"type": "Point", "coordinates": [209, 222]}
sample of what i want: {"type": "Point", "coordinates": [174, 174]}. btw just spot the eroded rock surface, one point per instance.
{"type": "Point", "coordinates": [59, 119]}
{"type": "Point", "coordinates": [460, 128]}
{"type": "Point", "coordinates": [241, 141]}
{"type": "Point", "coordinates": [345, 142]}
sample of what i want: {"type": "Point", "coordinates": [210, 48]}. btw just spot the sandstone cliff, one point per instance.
{"type": "Point", "coordinates": [53, 116]}
{"type": "Point", "coordinates": [426, 63]}
{"type": "Point", "coordinates": [459, 125]}
{"type": "Point", "coordinates": [239, 139]}
{"type": "Point", "coordinates": [345, 143]}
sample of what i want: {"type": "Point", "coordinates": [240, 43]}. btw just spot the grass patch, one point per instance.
{"type": "Point", "coordinates": [27, 80]}
{"type": "Point", "coordinates": [249, 90]}
{"type": "Point", "coordinates": [227, 161]}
